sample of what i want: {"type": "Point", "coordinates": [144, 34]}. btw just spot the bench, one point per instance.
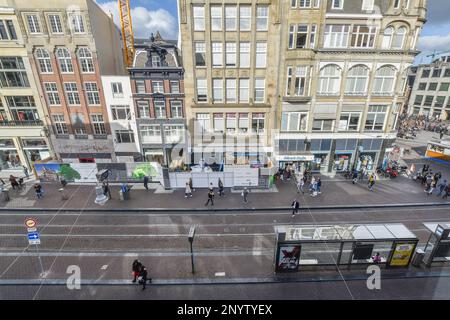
{"type": "Point", "coordinates": [308, 261]}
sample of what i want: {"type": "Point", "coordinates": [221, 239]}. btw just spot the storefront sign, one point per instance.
{"type": "Point", "coordinates": [402, 254]}
{"type": "Point", "coordinates": [295, 158]}
{"type": "Point", "coordinates": [288, 258]}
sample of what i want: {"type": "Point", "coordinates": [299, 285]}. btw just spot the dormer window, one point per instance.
{"type": "Point", "coordinates": [156, 61]}
{"type": "Point", "coordinates": [338, 4]}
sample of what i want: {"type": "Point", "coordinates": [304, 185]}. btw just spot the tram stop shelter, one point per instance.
{"type": "Point", "coordinates": [345, 244]}
{"type": "Point", "coordinates": [438, 245]}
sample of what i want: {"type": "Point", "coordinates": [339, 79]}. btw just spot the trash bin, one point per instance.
{"type": "Point", "coordinates": [5, 195]}
{"type": "Point", "coordinates": [418, 258]}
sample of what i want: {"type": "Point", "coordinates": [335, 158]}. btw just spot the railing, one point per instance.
{"type": "Point", "coordinates": [20, 123]}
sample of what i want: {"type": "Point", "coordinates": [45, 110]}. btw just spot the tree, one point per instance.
{"type": "Point", "coordinates": [68, 172]}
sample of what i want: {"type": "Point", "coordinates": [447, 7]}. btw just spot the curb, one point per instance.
{"type": "Point", "coordinates": [206, 281]}
{"type": "Point", "coordinates": [207, 210]}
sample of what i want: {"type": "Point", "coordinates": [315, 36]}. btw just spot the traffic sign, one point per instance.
{"type": "Point", "coordinates": [38, 241]}
{"type": "Point", "coordinates": [31, 230]}
{"type": "Point", "coordinates": [30, 222]}
{"type": "Point", "coordinates": [33, 235]}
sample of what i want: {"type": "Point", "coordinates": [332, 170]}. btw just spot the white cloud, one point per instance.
{"type": "Point", "coordinates": [146, 21]}
{"type": "Point", "coordinates": [431, 43]}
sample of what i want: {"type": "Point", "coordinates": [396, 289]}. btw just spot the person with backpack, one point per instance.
{"type": "Point", "coordinates": [38, 190]}
{"type": "Point", "coordinates": [136, 268]}
{"type": "Point", "coordinates": [371, 181]}
{"type": "Point", "coordinates": [355, 176]}
{"type": "Point", "coordinates": [146, 179]}
{"type": "Point", "coordinates": [210, 197]}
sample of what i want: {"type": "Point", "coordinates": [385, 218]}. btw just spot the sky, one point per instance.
{"type": "Point", "coordinates": [151, 15]}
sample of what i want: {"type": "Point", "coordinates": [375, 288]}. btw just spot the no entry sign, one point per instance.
{"type": "Point", "coordinates": [30, 223]}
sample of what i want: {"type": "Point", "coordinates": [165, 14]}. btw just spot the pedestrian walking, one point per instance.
{"type": "Point", "coordinates": [210, 197]}
{"type": "Point", "coordinates": [446, 191]}
{"type": "Point", "coordinates": [188, 191]}
{"type": "Point", "coordinates": [20, 183]}
{"type": "Point", "coordinates": [191, 185]}
{"type": "Point", "coordinates": [318, 185]}
{"type": "Point", "coordinates": [371, 181]}
{"type": "Point", "coordinates": [143, 277]}
{"type": "Point", "coordinates": [355, 176]}
{"type": "Point", "coordinates": [106, 189]}
{"type": "Point", "coordinates": [13, 181]}
{"type": "Point", "coordinates": [300, 185]}
{"type": "Point", "coordinates": [136, 269]}
{"type": "Point", "coordinates": [25, 172]}
{"type": "Point", "coordinates": [244, 194]}
{"type": "Point", "coordinates": [220, 183]}
{"type": "Point", "coordinates": [441, 187]}
{"type": "Point", "coordinates": [38, 190]}
{"type": "Point", "coordinates": [295, 206]}
{"type": "Point", "coordinates": [432, 186]}
{"type": "Point", "coordinates": [146, 182]}
{"type": "Point", "coordinates": [428, 180]}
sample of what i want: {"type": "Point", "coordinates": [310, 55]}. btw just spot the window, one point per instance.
{"type": "Point", "coordinates": [43, 59]}
{"type": "Point", "coordinates": [436, 73]}
{"type": "Point", "coordinates": [174, 86]}
{"type": "Point", "coordinates": [258, 122]}
{"type": "Point", "coordinates": [217, 90]}
{"type": "Point", "coordinates": [399, 38]}
{"type": "Point", "coordinates": [302, 35]}
{"type": "Point", "coordinates": [245, 18]}
{"type": "Point", "coordinates": [200, 54]}
{"type": "Point", "coordinates": [323, 125]}
{"type": "Point", "coordinates": [329, 80]}
{"type": "Point", "coordinates": [367, 5]}
{"type": "Point", "coordinates": [444, 86]}
{"type": "Point", "coordinates": [116, 88]}
{"type": "Point", "coordinates": [428, 100]}
{"type": "Point", "coordinates": [124, 136]}
{"type": "Point", "coordinates": [349, 121]}
{"type": "Point", "coordinates": [288, 81]}
{"type": "Point", "coordinates": [384, 80]}
{"type": "Point", "coordinates": [294, 121]}
{"type": "Point", "coordinates": [60, 124]}
{"type": "Point", "coordinates": [160, 108]}
{"type": "Point", "coordinates": [447, 73]}
{"type": "Point", "coordinates": [244, 54]}
{"type": "Point", "coordinates": [376, 118]}
{"type": "Point", "coordinates": [202, 90]}
{"type": "Point", "coordinates": [151, 134]}
{"type": "Point", "coordinates": [202, 123]}
{"type": "Point", "coordinates": [262, 18]}
{"type": "Point", "coordinates": [92, 93]}
{"type": "Point", "coordinates": [33, 23]}
{"type": "Point", "coordinates": [305, 3]}
{"type": "Point", "coordinates": [71, 89]}
{"type": "Point", "coordinates": [338, 4]}
{"type": "Point", "coordinates": [120, 112]}
{"type": "Point", "coordinates": [300, 80]}
{"type": "Point", "coordinates": [291, 42]}
{"type": "Point", "coordinates": [387, 38]}
{"type": "Point", "coordinates": [363, 36]}
{"type": "Point", "coordinates": [244, 87]}
{"type": "Point", "coordinates": [422, 86]}
{"type": "Point", "coordinates": [418, 99]}
{"type": "Point", "coordinates": [217, 59]}
{"type": "Point", "coordinates": [231, 123]}
{"type": "Point", "coordinates": [426, 73]}
{"type": "Point", "coordinates": [64, 60]}
{"type": "Point", "coordinates": [336, 36]}
{"type": "Point", "coordinates": [231, 90]}
{"type": "Point", "coordinates": [176, 109]}
{"type": "Point", "coordinates": [143, 109]}
{"type": "Point", "coordinates": [243, 122]}
{"type": "Point", "coordinates": [157, 86]}
{"type": "Point", "coordinates": [396, 4]}
{"type": "Point", "coordinates": [140, 86]}
{"type": "Point", "coordinates": [439, 102]}
{"type": "Point", "coordinates": [260, 90]}
{"type": "Point", "coordinates": [312, 36]}
{"type": "Point", "coordinates": [230, 18]}
{"type": "Point", "coordinates": [7, 30]}
{"type": "Point", "coordinates": [52, 93]}
{"type": "Point", "coordinates": [55, 23]}
{"type": "Point", "coordinates": [216, 18]}
{"type": "Point", "coordinates": [218, 122]}
{"type": "Point", "coordinates": [78, 124]}
{"type": "Point", "coordinates": [230, 59]}
{"type": "Point", "coordinates": [199, 18]}
{"type": "Point", "coordinates": [156, 61]}
{"type": "Point", "coordinates": [432, 86]}
{"type": "Point", "coordinates": [357, 78]}
{"type": "Point", "coordinates": [174, 133]}
{"type": "Point", "coordinates": [22, 108]}
{"type": "Point", "coordinates": [76, 22]}
{"type": "Point", "coordinates": [261, 53]}
{"type": "Point", "coordinates": [12, 73]}
{"type": "Point", "coordinates": [98, 124]}
{"type": "Point", "coordinates": [293, 3]}
{"type": "Point", "coordinates": [85, 57]}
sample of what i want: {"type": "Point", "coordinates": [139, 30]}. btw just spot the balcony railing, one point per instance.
{"type": "Point", "coordinates": [20, 123]}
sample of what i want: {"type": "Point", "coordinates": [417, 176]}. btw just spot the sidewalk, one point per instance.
{"type": "Point", "coordinates": [334, 193]}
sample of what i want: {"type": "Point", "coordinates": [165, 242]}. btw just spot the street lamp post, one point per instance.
{"type": "Point", "coordinates": [191, 240]}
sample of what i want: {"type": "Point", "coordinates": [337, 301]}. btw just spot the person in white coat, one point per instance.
{"type": "Point", "coordinates": [188, 191]}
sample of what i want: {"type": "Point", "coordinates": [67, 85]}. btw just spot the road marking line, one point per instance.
{"type": "Point", "coordinates": [104, 267]}
{"type": "Point", "coordinates": [220, 274]}
{"type": "Point", "coordinates": [142, 235]}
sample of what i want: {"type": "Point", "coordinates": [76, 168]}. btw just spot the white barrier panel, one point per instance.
{"type": "Point", "coordinates": [246, 177]}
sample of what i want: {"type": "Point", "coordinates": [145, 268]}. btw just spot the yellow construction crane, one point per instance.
{"type": "Point", "coordinates": [127, 31]}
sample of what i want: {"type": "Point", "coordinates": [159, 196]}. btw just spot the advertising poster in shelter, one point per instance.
{"type": "Point", "coordinates": [288, 258]}
{"type": "Point", "coordinates": [47, 172]}
{"type": "Point", "coordinates": [402, 254]}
